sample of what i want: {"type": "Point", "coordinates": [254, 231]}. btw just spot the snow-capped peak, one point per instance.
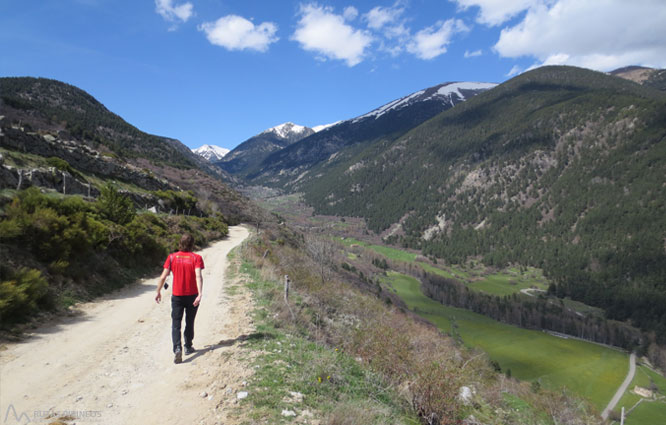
{"type": "Point", "coordinates": [287, 130]}
{"type": "Point", "coordinates": [211, 152]}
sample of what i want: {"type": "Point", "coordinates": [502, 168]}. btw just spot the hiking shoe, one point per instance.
{"type": "Point", "coordinates": [189, 350]}
{"type": "Point", "coordinates": [178, 356]}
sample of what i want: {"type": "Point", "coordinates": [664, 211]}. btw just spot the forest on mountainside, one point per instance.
{"type": "Point", "coordinates": [560, 168]}
{"type": "Point", "coordinates": [68, 108]}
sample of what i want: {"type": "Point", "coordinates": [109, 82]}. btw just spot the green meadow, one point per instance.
{"type": "Point", "coordinates": [506, 283]}
{"type": "Point", "coordinates": [476, 276]}
{"type": "Point", "coordinates": [589, 370]}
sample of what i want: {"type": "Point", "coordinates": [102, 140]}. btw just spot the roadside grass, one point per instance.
{"type": "Point", "coordinates": [648, 412]}
{"type": "Point", "coordinates": [589, 370]}
{"type": "Point", "coordinates": [295, 376]}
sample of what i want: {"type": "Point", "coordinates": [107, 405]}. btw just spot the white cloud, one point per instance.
{"type": "Point", "coordinates": [473, 54]}
{"type": "Point", "coordinates": [237, 33]}
{"type": "Point", "coordinates": [322, 31]}
{"type": "Point", "coordinates": [350, 13]}
{"type": "Point", "coordinates": [378, 17]}
{"type": "Point", "coordinates": [597, 34]}
{"type": "Point", "coordinates": [172, 13]}
{"type": "Point", "coordinates": [389, 27]}
{"type": "Point", "coordinates": [496, 12]}
{"type": "Point", "coordinates": [432, 41]}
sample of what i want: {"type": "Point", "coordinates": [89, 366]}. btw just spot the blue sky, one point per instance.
{"type": "Point", "coordinates": [219, 72]}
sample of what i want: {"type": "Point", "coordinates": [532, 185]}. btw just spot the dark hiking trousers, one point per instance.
{"type": "Point", "coordinates": [180, 304]}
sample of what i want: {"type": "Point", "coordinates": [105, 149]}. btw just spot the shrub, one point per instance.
{"type": "Point", "coordinates": [434, 393]}
{"type": "Point", "coordinates": [181, 202]}
{"type": "Point", "coordinates": [63, 165]}
{"type": "Point", "coordinates": [21, 293]}
{"type": "Point", "coordinates": [115, 206]}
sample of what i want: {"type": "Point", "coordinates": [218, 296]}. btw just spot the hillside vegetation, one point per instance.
{"type": "Point", "coordinates": [356, 357]}
{"type": "Point", "coordinates": [57, 250]}
{"type": "Point", "coordinates": [560, 168]}
{"type": "Point", "coordinates": [44, 119]}
{"type": "Point", "coordinates": [83, 117]}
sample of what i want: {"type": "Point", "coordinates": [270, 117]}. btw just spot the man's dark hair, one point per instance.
{"type": "Point", "coordinates": [186, 243]}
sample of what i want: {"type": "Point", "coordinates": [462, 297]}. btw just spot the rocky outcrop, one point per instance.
{"type": "Point", "coordinates": [80, 156]}
{"type": "Point", "coordinates": [50, 178]}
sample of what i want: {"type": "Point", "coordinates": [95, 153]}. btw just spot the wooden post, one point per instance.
{"type": "Point", "coordinates": [286, 295]}
{"type": "Point", "coordinates": [286, 288]}
{"type": "Point", "coordinates": [622, 417]}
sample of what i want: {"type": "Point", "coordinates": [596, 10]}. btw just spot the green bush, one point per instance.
{"type": "Point", "coordinates": [83, 244]}
{"type": "Point", "coordinates": [115, 206]}
{"type": "Point", "coordinates": [178, 201]}
{"type": "Point", "coordinates": [21, 293]}
{"type": "Point", "coordinates": [50, 228]}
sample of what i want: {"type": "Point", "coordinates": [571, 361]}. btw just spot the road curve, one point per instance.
{"type": "Point", "coordinates": [620, 391]}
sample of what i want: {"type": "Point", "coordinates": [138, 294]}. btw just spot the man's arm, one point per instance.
{"type": "Point", "coordinates": [160, 284]}
{"type": "Point", "coordinates": [197, 273]}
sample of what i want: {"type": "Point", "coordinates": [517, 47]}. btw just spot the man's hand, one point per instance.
{"type": "Point", "coordinates": [197, 300]}
{"type": "Point", "coordinates": [158, 297]}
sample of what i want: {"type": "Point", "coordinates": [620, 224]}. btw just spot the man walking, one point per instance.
{"type": "Point", "coordinates": [186, 267]}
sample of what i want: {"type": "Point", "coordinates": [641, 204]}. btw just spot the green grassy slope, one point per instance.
{"type": "Point", "coordinates": [589, 370]}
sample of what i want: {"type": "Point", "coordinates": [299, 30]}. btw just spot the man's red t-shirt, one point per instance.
{"type": "Point", "coordinates": [182, 265]}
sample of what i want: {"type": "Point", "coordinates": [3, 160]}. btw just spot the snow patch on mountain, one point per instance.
{"type": "Point", "coordinates": [211, 152]}
{"type": "Point", "coordinates": [444, 92]}
{"type": "Point", "coordinates": [323, 127]}
{"type": "Point", "coordinates": [454, 88]}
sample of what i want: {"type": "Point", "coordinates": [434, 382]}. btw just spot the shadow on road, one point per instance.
{"type": "Point", "coordinates": [228, 343]}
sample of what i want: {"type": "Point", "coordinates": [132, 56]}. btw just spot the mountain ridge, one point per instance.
{"type": "Point", "coordinates": [251, 152]}
{"type": "Point", "coordinates": [292, 163]}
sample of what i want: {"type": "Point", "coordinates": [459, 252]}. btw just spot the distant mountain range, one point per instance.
{"type": "Point", "coordinates": [211, 153]}
{"type": "Point", "coordinates": [271, 160]}
{"type": "Point", "coordinates": [249, 154]}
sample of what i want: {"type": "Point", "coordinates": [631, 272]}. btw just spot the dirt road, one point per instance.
{"type": "Point", "coordinates": [112, 363]}
{"type": "Point", "coordinates": [620, 391]}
